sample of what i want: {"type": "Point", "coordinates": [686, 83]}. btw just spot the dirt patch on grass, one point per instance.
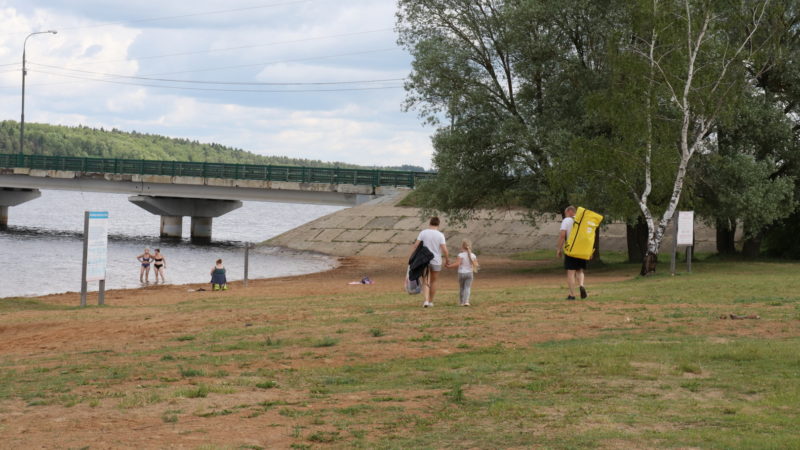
{"type": "Point", "coordinates": [133, 374]}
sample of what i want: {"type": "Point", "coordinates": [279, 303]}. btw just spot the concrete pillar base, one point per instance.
{"type": "Point", "coordinates": [171, 227]}
{"type": "Point", "coordinates": [13, 197]}
{"type": "Point", "coordinates": [172, 209]}
{"type": "Point", "coordinates": [201, 229]}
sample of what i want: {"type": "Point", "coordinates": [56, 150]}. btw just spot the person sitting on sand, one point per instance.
{"type": "Point", "coordinates": [218, 280]}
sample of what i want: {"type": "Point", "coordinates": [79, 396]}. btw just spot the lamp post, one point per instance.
{"type": "Point", "coordinates": [22, 116]}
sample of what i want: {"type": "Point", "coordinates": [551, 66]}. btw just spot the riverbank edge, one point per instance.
{"type": "Point", "coordinates": [336, 263]}
{"type": "Point", "coordinates": [382, 228]}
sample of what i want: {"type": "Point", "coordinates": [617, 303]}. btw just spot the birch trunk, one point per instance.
{"type": "Point", "coordinates": [694, 126]}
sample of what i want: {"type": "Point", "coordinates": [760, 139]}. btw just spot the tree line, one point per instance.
{"type": "Point", "coordinates": [82, 141]}
{"type": "Point", "coordinates": [635, 109]}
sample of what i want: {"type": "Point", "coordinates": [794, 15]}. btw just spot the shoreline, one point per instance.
{"type": "Point", "coordinates": [331, 263]}
{"type": "Point", "coordinates": [387, 273]}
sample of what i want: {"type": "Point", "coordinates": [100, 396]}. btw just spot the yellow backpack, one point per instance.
{"type": "Point", "coordinates": [580, 241]}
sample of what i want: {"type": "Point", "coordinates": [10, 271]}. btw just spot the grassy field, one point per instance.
{"type": "Point", "coordinates": [643, 363]}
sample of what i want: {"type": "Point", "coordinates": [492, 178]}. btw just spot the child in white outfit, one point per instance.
{"type": "Point", "coordinates": [467, 264]}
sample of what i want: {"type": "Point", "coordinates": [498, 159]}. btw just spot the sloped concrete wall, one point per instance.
{"type": "Point", "coordinates": [380, 228]}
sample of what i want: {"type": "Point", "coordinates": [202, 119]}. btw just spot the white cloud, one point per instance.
{"type": "Point", "coordinates": [365, 127]}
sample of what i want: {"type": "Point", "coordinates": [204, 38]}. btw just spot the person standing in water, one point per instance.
{"type": "Point", "coordinates": [218, 279]}
{"type": "Point", "coordinates": [144, 270]}
{"type": "Point", "coordinates": [160, 265]}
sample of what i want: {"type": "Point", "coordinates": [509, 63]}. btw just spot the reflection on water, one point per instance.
{"type": "Point", "coordinates": [43, 247]}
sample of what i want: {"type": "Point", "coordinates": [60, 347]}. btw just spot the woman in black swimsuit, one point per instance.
{"type": "Point", "coordinates": [160, 265]}
{"type": "Point", "coordinates": [144, 271]}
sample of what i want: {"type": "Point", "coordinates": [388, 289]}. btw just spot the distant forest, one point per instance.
{"type": "Point", "coordinates": [81, 141]}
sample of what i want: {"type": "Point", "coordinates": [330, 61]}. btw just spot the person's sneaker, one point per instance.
{"type": "Point", "coordinates": [224, 287]}
{"type": "Point", "coordinates": [427, 304]}
{"type": "Point", "coordinates": [465, 304]}
{"type": "Point", "coordinates": [216, 287]}
{"type": "Point", "coordinates": [583, 292]}
{"type": "Point", "coordinates": [570, 297]}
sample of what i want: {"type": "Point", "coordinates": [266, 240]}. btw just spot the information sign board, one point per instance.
{"type": "Point", "coordinates": [97, 246]}
{"type": "Point", "coordinates": [686, 228]}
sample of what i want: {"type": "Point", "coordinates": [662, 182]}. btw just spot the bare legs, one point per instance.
{"type": "Point", "coordinates": [429, 286]}
{"type": "Point", "coordinates": [160, 271]}
{"type": "Point", "coordinates": [144, 274]}
{"type": "Point", "coordinates": [571, 282]}
{"type": "Point", "coordinates": [575, 279]}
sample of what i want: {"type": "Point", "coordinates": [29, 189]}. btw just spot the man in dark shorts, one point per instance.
{"type": "Point", "coordinates": [574, 266]}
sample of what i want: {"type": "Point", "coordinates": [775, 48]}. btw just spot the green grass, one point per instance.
{"type": "Point", "coordinates": [326, 342]}
{"type": "Point", "coordinates": [376, 332]}
{"type": "Point", "coordinates": [189, 372]}
{"type": "Point", "coordinates": [643, 363]}
{"type": "Point", "coordinates": [26, 304]}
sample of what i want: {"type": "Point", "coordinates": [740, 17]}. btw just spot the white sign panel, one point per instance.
{"type": "Point", "coordinates": [686, 228]}
{"type": "Point", "coordinates": [97, 250]}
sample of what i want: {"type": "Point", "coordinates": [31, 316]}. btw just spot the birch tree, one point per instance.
{"type": "Point", "coordinates": [696, 53]}
{"type": "Point", "coordinates": [678, 68]}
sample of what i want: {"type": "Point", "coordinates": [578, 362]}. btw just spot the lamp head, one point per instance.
{"type": "Point", "coordinates": [52, 31]}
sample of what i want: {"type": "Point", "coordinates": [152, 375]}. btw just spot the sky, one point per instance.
{"type": "Point", "coordinates": [318, 79]}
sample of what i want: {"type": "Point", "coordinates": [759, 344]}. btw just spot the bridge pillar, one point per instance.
{"type": "Point", "coordinates": [171, 227]}
{"type": "Point", "coordinates": [13, 197]}
{"type": "Point", "coordinates": [201, 229]}
{"type": "Point", "coordinates": [173, 209]}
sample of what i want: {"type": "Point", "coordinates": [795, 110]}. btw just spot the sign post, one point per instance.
{"type": "Point", "coordinates": [95, 253]}
{"type": "Point", "coordinates": [246, 261]}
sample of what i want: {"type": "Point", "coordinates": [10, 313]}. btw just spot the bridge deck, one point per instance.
{"type": "Point", "coordinates": [295, 174]}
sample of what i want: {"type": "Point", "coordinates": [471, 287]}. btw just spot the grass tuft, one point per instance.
{"type": "Point", "coordinates": [195, 392]}
{"type": "Point", "coordinates": [456, 395]}
{"type": "Point", "coordinates": [188, 373]}
{"type": "Point", "coordinates": [326, 342]}
{"type": "Point", "coordinates": [324, 437]}
{"type": "Point", "coordinates": [376, 332]}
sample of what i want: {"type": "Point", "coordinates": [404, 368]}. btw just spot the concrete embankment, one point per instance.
{"type": "Point", "coordinates": [381, 228]}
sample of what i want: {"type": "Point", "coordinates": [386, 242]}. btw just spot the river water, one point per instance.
{"type": "Point", "coordinates": [42, 249]}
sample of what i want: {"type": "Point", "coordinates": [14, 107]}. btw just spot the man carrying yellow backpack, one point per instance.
{"type": "Point", "coordinates": [576, 241]}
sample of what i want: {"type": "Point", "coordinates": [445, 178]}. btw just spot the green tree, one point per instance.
{"type": "Point", "coordinates": [680, 67]}
{"type": "Point", "coordinates": [750, 180]}
{"type": "Point", "coordinates": [82, 141]}
{"type": "Point", "coordinates": [501, 81]}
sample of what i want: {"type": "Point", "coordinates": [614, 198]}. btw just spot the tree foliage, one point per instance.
{"type": "Point", "coordinates": [499, 80]}
{"type": "Point", "coordinates": [81, 141]}
{"type": "Point", "coordinates": [680, 68]}
{"type": "Point", "coordinates": [613, 104]}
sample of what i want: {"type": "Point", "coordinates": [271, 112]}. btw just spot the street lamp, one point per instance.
{"type": "Point", "coordinates": [24, 72]}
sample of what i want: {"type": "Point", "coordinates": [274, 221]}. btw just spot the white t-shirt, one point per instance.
{"type": "Point", "coordinates": [466, 263]}
{"type": "Point", "coordinates": [433, 240]}
{"type": "Point", "coordinates": [566, 224]}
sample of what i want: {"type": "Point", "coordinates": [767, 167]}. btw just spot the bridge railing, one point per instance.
{"type": "Point", "coordinates": [217, 170]}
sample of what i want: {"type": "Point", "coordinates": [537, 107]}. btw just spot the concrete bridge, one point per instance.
{"type": "Point", "coordinates": [202, 191]}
